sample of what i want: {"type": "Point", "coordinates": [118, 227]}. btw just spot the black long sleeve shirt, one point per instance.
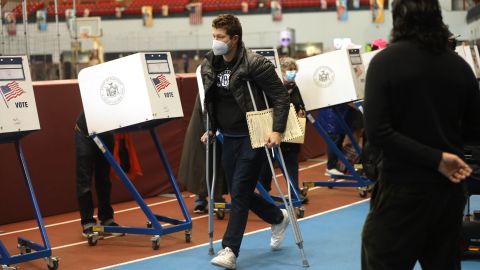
{"type": "Point", "coordinates": [419, 104]}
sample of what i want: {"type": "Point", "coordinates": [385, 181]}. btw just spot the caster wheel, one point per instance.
{"type": "Point", "coordinates": [156, 242]}
{"type": "Point", "coordinates": [149, 224]}
{"type": "Point", "coordinates": [188, 236]}
{"type": "Point", "coordinates": [300, 212]}
{"type": "Point", "coordinates": [363, 193]}
{"type": "Point", "coordinates": [220, 214]}
{"type": "Point", "coordinates": [92, 240]}
{"type": "Point", "coordinates": [52, 263]}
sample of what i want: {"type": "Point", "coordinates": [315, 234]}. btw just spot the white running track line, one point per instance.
{"type": "Point", "coordinates": [253, 232]}
{"type": "Point", "coordinates": [131, 209]}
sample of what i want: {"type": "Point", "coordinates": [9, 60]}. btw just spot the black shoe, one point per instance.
{"type": "Point", "coordinates": [200, 209]}
{"type": "Point", "coordinates": [88, 229]}
{"type": "Point", "coordinates": [112, 223]}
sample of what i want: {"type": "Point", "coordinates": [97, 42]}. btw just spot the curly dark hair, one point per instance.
{"type": "Point", "coordinates": [231, 24]}
{"type": "Point", "coordinates": [421, 22]}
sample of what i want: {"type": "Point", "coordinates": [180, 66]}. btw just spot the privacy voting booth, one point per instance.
{"type": "Point", "coordinates": [328, 80]}
{"type": "Point", "coordinates": [134, 93]}
{"type": "Point", "coordinates": [18, 117]}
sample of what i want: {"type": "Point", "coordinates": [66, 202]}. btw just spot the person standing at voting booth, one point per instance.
{"type": "Point", "coordinates": [421, 104]}
{"type": "Point", "coordinates": [90, 163]}
{"type": "Point", "coordinates": [225, 71]}
{"type": "Point", "coordinates": [290, 151]}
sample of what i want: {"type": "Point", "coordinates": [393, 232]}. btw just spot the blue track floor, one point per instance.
{"type": "Point", "coordinates": [331, 241]}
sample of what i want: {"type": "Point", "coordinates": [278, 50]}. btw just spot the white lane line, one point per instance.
{"type": "Point", "coordinates": [253, 232]}
{"type": "Point", "coordinates": [135, 208]}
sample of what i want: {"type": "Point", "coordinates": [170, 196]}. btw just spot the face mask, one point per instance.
{"type": "Point", "coordinates": [290, 75]}
{"type": "Point", "coordinates": [219, 47]}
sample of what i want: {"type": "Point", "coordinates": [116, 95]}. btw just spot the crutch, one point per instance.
{"type": "Point", "coordinates": [210, 191]}
{"type": "Point", "coordinates": [287, 203]}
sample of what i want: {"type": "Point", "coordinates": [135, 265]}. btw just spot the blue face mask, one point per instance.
{"type": "Point", "coordinates": [290, 75]}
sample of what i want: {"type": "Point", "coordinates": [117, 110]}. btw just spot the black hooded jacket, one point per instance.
{"type": "Point", "coordinates": [252, 67]}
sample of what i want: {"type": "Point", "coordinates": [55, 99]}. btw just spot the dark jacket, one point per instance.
{"type": "Point", "coordinates": [261, 73]}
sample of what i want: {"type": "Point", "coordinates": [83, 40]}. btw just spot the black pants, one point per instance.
{"type": "Point", "coordinates": [242, 164]}
{"type": "Point", "coordinates": [412, 222]}
{"type": "Point", "coordinates": [332, 158]}
{"type": "Point", "coordinates": [91, 162]}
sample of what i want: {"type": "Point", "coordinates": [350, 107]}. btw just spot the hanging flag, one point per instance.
{"type": "Point", "coordinates": [276, 9]}
{"type": "Point", "coordinates": [323, 4]}
{"type": "Point", "coordinates": [164, 10]}
{"type": "Point", "coordinates": [42, 20]}
{"type": "Point", "coordinates": [118, 12]}
{"type": "Point", "coordinates": [378, 12]}
{"type": "Point", "coordinates": [69, 15]}
{"type": "Point", "coordinates": [342, 12]}
{"type": "Point", "coordinates": [11, 23]}
{"type": "Point", "coordinates": [147, 16]}
{"type": "Point", "coordinates": [195, 11]}
{"type": "Point", "coordinates": [356, 3]}
{"type": "Point", "coordinates": [11, 90]}
{"type": "Point", "coordinates": [160, 82]}
{"type": "Point", "coordinates": [244, 6]}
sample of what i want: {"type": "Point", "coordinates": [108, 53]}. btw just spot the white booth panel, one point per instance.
{"type": "Point", "coordinates": [332, 78]}
{"type": "Point", "coordinates": [162, 85]}
{"type": "Point", "coordinates": [272, 55]}
{"type": "Point", "coordinates": [18, 110]}
{"type": "Point", "coordinates": [367, 57]}
{"type": "Point", "coordinates": [115, 94]}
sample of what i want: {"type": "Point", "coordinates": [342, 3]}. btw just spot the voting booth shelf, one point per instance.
{"type": "Point", "coordinates": [329, 80]}
{"type": "Point", "coordinates": [18, 118]}
{"type": "Point", "coordinates": [136, 92]}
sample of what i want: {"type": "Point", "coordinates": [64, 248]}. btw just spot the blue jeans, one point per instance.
{"type": "Point", "coordinates": [242, 166]}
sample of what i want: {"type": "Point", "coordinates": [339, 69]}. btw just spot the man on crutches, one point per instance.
{"type": "Point", "coordinates": [224, 72]}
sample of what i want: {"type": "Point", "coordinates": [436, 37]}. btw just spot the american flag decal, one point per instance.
{"type": "Point", "coordinates": [160, 82]}
{"type": "Point", "coordinates": [11, 91]}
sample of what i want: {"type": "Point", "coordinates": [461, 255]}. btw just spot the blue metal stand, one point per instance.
{"type": "Point", "coordinates": [26, 246]}
{"type": "Point", "coordinates": [354, 179]}
{"type": "Point", "coordinates": [153, 224]}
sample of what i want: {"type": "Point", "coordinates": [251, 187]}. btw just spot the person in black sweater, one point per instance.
{"type": "Point", "coordinates": [422, 103]}
{"type": "Point", "coordinates": [225, 71]}
{"type": "Point", "coordinates": [91, 162]}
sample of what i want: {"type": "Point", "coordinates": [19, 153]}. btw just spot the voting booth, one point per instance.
{"type": "Point", "coordinates": [131, 90]}
{"type": "Point", "coordinates": [135, 92]}
{"type": "Point", "coordinates": [19, 117]}
{"type": "Point", "coordinates": [471, 56]}
{"type": "Point", "coordinates": [18, 108]}
{"type": "Point", "coordinates": [326, 81]}
{"type": "Point", "coordinates": [331, 78]}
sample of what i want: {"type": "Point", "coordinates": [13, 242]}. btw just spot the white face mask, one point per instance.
{"type": "Point", "coordinates": [219, 47]}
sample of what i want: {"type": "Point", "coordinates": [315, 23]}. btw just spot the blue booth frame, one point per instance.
{"type": "Point", "coordinates": [25, 246]}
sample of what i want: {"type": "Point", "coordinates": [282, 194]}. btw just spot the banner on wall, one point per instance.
{"type": "Point", "coordinates": [356, 4]}
{"type": "Point", "coordinates": [118, 12]}
{"type": "Point", "coordinates": [342, 12]}
{"type": "Point", "coordinates": [164, 10]}
{"type": "Point", "coordinates": [11, 23]}
{"type": "Point", "coordinates": [69, 18]}
{"type": "Point", "coordinates": [323, 4]}
{"type": "Point", "coordinates": [42, 20]}
{"type": "Point", "coordinates": [378, 12]}
{"type": "Point", "coordinates": [276, 8]}
{"type": "Point", "coordinates": [147, 16]}
{"type": "Point", "coordinates": [244, 6]}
